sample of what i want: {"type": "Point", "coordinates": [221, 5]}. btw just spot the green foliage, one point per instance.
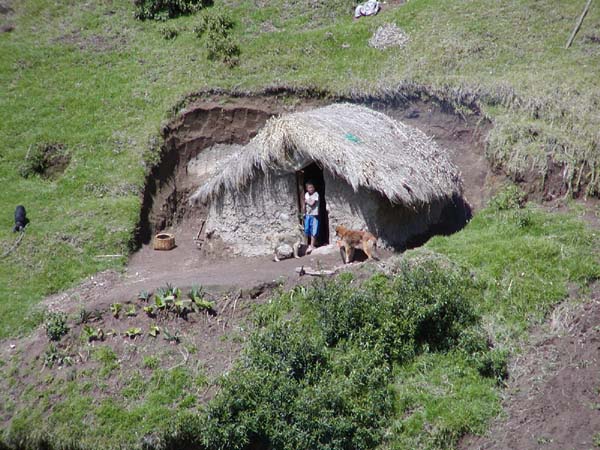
{"type": "Point", "coordinates": [133, 332]}
{"type": "Point", "coordinates": [144, 295]}
{"type": "Point", "coordinates": [215, 27]}
{"type": "Point", "coordinates": [150, 362]}
{"type": "Point", "coordinates": [131, 311]}
{"type": "Point", "coordinates": [174, 337]}
{"type": "Point", "coordinates": [54, 356]}
{"type": "Point", "coordinates": [317, 374]}
{"type": "Point", "coordinates": [153, 330]}
{"type": "Point", "coordinates": [167, 9]}
{"type": "Point", "coordinates": [56, 325]}
{"type": "Point", "coordinates": [169, 33]}
{"type": "Point", "coordinates": [115, 309]}
{"type": "Point", "coordinates": [90, 334]}
{"type": "Point", "coordinates": [107, 357]}
{"type": "Point", "coordinates": [510, 197]}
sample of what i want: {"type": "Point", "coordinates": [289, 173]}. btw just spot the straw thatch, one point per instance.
{"type": "Point", "coordinates": [361, 146]}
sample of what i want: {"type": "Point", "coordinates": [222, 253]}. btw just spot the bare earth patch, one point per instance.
{"type": "Point", "coordinates": [552, 400]}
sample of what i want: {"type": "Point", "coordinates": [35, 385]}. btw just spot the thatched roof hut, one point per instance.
{"type": "Point", "coordinates": [361, 146]}
{"type": "Point", "coordinates": [367, 150]}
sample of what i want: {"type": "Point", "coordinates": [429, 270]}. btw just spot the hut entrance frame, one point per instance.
{"type": "Point", "coordinates": [313, 172]}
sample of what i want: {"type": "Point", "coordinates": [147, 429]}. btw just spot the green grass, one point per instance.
{"type": "Point", "coordinates": [93, 78]}
{"type": "Point", "coordinates": [89, 76]}
{"type": "Point", "coordinates": [510, 266]}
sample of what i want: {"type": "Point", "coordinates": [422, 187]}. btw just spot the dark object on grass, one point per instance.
{"type": "Point", "coordinates": [21, 219]}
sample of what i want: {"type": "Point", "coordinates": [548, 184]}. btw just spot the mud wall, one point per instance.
{"type": "Point", "coordinates": [253, 221]}
{"type": "Point", "coordinates": [200, 126]}
{"type": "Point", "coordinates": [394, 225]}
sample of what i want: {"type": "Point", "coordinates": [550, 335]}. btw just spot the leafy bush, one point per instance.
{"type": "Point", "coordinates": [317, 372]}
{"type": "Point", "coordinates": [215, 27]}
{"type": "Point", "coordinates": [56, 325]}
{"type": "Point", "coordinates": [167, 9]}
{"type": "Point", "coordinates": [510, 197]}
{"type": "Point", "coordinates": [56, 357]}
{"type": "Point", "coordinates": [169, 33]}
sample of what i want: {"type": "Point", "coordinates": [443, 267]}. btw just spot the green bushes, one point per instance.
{"type": "Point", "coordinates": [56, 325]}
{"type": "Point", "coordinates": [215, 27]}
{"type": "Point", "coordinates": [167, 9]}
{"type": "Point", "coordinates": [318, 370]}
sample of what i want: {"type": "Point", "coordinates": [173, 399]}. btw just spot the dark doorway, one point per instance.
{"type": "Point", "coordinates": [314, 174]}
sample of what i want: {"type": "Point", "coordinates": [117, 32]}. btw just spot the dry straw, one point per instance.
{"type": "Point", "coordinates": [363, 147]}
{"type": "Point", "coordinates": [388, 35]}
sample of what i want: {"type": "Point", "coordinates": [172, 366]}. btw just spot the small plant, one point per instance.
{"type": "Point", "coordinates": [84, 316]}
{"type": "Point", "coordinates": [92, 334]}
{"type": "Point", "coordinates": [144, 296]}
{"type": "Point", "coordinates": [174, 338]}
{"type": "Point", "coordinates": [53, 356]}
{"type": "Point", "coordinates": [215, 28]}
{"type": "Point", "coordinates": [131, 311]}
{"type": "Point", "coordinates": [115, 309]}
{"type": "Point", "coordinates": [132, 333]}
{"type": "Point", "coordinates": [169, 33]}
{"type": "Point", "coordinates": [153, 331]}
{"type": "Point", "coordinates": [167, 9]}
{"type": "Point", "coordinates": [509, 198]}
{"type": "Point", "coordinates": [182, 308]}
{"type": "Point", "coordinates": [149, 310]}
{"type": "Point", "coordinates": [56, 325]}
{"type": "Point", "coordinates": [150, 362]}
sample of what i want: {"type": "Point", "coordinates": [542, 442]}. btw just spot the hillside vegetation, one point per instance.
{"type": "Point", "coordinates": [92, 78]}
{"type": "Point", "coordinates": [411, 355]}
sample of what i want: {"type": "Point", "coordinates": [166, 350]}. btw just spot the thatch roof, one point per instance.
{"type": "Point", "coordinates": [363, 147]}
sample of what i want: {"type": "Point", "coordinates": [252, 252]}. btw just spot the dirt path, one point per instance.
{"type": "Point", "coordinates": [185, 266]}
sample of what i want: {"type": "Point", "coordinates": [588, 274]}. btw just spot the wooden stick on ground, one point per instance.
{"type": "Point", "coordinates": [315, 273]}
{"type": "Point", "coordinates": [578, 24]}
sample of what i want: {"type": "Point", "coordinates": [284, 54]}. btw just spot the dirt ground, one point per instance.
{"type": "Point", "coordinates": [552, 400]}
{"type": "Point", "coordinates": [553, 395]}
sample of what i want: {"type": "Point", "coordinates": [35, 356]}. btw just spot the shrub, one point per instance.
{"type": "Point", "coordinates": [510, 197]}
{"type": "Point", "coordinates": [53, 356]}
{"type": "Point", "coordinates": [167, 9]}
{"type": "Point", "coordinates": [316, 372]}
{"type": "Point", "coordinates": [56, 325]}
{"type": "Point", "coordinates": [169, 33]}
{"type": "Point", "coordinates": [215, 28]}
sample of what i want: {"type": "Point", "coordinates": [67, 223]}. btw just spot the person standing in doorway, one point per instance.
{"type": "Point", "coordinates": [311, 216]}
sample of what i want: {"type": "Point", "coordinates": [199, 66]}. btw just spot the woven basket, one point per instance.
{"type": "Point", "coordinates": [164, 241]}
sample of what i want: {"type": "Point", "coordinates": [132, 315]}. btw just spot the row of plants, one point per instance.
{"type": "Point", "coordinates": [167, 301]}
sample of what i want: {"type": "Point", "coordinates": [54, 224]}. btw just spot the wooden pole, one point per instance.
{"type": "Point", "coordinates": [578, 24]}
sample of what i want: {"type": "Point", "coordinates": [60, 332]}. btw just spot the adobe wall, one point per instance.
{"type": "Point", "coordinates": [254, 221]}
{"type": "Point", "coordinates": [394, 225]}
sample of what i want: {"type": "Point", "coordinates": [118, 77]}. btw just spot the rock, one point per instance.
{"type": "Point", "coordinates": [284, 251]}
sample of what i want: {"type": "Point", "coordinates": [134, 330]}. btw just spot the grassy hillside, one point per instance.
{"type": "Point", "coordinates": [91, 77]}
{"type": "Point", "coordinates": [88, 79]}
{"type": "Point", "coordinates": [411, 358]}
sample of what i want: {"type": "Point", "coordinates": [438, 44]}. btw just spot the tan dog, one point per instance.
{"type": "Point", "coordinates": [351, 239]}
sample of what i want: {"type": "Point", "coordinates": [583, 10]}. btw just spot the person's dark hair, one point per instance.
{"type": "Point", "coordinates": [311, 182]}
